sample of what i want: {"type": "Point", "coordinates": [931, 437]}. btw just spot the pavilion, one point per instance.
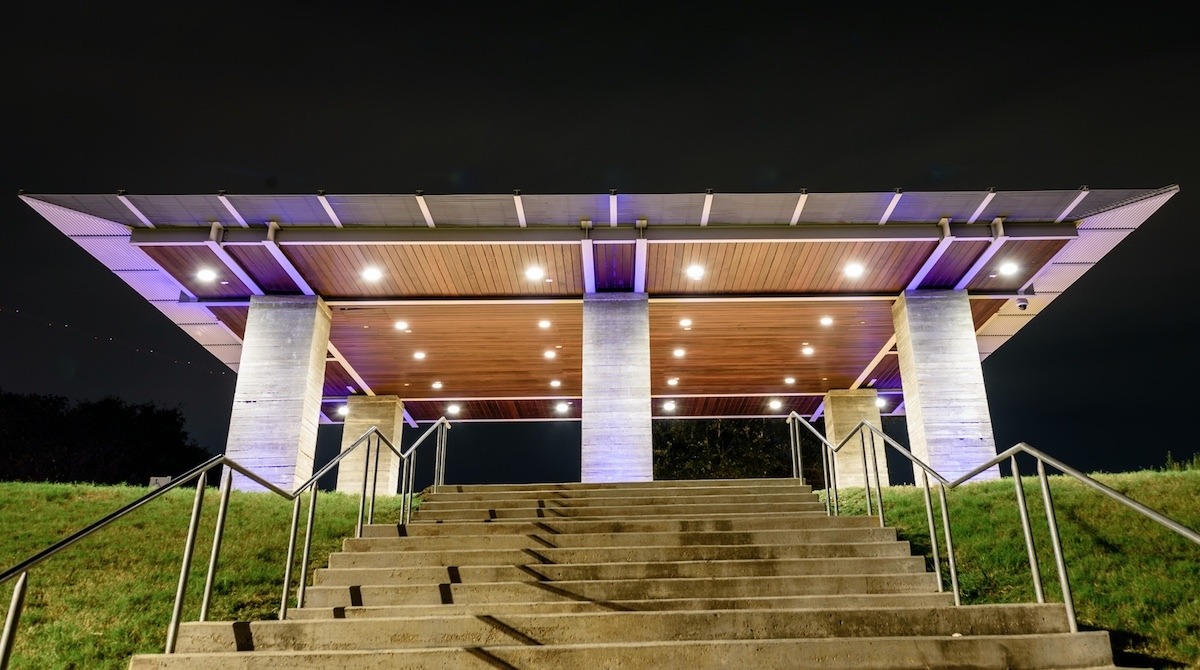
{"type": "Point", "coordinates": [611, 309]}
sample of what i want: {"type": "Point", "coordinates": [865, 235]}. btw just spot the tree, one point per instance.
{"type": "Point", "coordinates": [110, 441]}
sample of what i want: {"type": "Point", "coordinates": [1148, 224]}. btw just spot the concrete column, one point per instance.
{"type": "Point", "coordinates": [949, 425]}
{"type": "Point", "coordinates": [616, 388]}
{"type": "Point", "coordinates": [386, 413]}
{"type": "Point", "coordinates": [277, 399]}
{"type": "Point", "coordinates": [844, 410]}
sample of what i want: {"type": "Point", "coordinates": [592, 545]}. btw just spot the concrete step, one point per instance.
{"type": "Point", "coordinates": [609, 627]}
{"type": "Point", "coordinates": [663, 489]}
{"type": "Point", "coordinates": [624, 589]}
{"type": "Point", "coordinates": [630, 486]}
{"type": "Point", "coordinates": [830, 602]}
{"type": "Point", "coordinates": [437, 503]}
{"type": "Point", "coordinates": [655, 525]}
{"type": "Point", "coordinates": [546, 556]}
{"type": "Point", "coordinates": [986, 652]}
{"type": "Point", "coordinates": [475, 574]}
{"type": "Point", "coordinates": [620, 512]}
{"type": "Point", "coordinates": [632, 539]}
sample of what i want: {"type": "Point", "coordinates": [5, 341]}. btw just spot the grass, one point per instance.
{"type": "Point", "coordinates": [110, 596]}
{"type": "Point", "coordinates": [1128, 575]}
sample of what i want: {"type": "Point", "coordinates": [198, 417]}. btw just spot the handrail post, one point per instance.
{"type": "Point", "coordinates": [186, 564]}
{"type": "Point", "coordinates": [933, 543]}
{"type": "Point", "coordinates": [308, 537]}
{"type": "Point", "coordinates": [878, 482]}
{"type": "Point", "coordinates": [792, 443]}
{"type": "Point", "coordinates": [291, 557]}
{"type": "Point", "coordinates": [1056, 542]}
{"type": "Point", "coordinates": [404, 489]}
{"type": "Point", "coordinates": [14, 617]}
{"type": "Point", "coordinates": [1034, 571]}
{"type": "Point", "coordinates": [825, 475]}
{"type": "Point", "coordinates": [412, 484]}
{"type": "Point", "coordinates": [374, 476]}
{"type": "Point", "coordinates": [949, 544]}
{"type": "Point", "coordinates": [862, 440]}
{"type": "Point", "coordinates": [362, 497]}
{"type": "Point", "coordinates": [218, 536]}
{"type": "Point", "coordinates": [837, 498]}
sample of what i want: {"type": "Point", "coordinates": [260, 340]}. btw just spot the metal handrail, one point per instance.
{"type": "Point", "coordinates": [1043, 459]}
{"type": "Point", "coordinates": [199, 472]}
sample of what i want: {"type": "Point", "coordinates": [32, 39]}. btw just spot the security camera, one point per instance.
{"type": "Point", "coordinates": [1022, 304]}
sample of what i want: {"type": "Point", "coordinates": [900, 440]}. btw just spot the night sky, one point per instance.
{"type": "Point", "coordinates": [466, 98]}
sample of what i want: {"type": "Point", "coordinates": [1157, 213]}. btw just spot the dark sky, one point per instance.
{"type": "Point", "coordinates": [485, 98]}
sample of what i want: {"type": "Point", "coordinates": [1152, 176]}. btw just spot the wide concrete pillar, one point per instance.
{"type": "Point", "coordinates": [844, 410]}
{"type": "Point", "coordinates": [277, 399]}
{"type": "Point", "coordinates": [616, 388]}
{"type": "Point", "coordinates": [949, 425]}
{"type": "Point", "coordinates": [386, 413]}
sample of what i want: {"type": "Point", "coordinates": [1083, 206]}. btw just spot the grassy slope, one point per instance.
{"type": "Point", "coordinates": [110, 596]}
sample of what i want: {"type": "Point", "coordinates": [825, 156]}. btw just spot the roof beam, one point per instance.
{"type": "Point", "coordinates": [924, 232]}
{"type": "Point", "coordinates": [998, 239]}
{"type": "Point", "coordinates": [337, 355]}
{"type": "Point", "coordinates": [818, 411]}
{"type": "Point", "coordinates": [887, 213]}
{"type": "Point", "coordinates": [938, 251]}
{"type": "Point", "coordinates": [612, 208]}
{"type": "Point", "coordinates": [133, 208]}
{"type": "Point", "coordinates": [520, 207]}
{"type": "Point", "coordinates": [708, 195]}
{"type": "Point", "coordinates": [800, 202]}
{"type": "Point", "coordinates": [283, 261]}
{"type": "Point", "coordinates": [639, 266]}
{"type": "Point", "coordinates": [232, 210]}
{"type": "Point", "coordinates": [328, 209]}
{"type": "Point", "coordinates": [887, 348]}
{"type": "Point", "coordinates": [424, 209]}
{"type": "Point", "coordinates": [987, 199]}
{"type": "Point", "coordinates": [588, 256]}
{"type": "Point", "coordinates": [1083, 191]}
{"type": "Point", "coordinates": [214, 243]}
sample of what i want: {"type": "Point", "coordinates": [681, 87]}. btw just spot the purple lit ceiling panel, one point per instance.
{"type": "Point", "coordinates": [262, 267]}
{"type": "Point", "coordinates": [953, 264]}
{"type": "Point", "coordinates": [614, 266]}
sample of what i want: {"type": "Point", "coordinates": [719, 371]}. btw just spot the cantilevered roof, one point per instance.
{"type": "Point", "coordinates": [453, 272]}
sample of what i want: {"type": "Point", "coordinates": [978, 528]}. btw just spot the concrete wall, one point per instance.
{"type": "Point", "coordinates": [277, 399]}
{"type": "Point", "coordinates": [949, 425]}
{"type": "Point", "coordinates": [616, 389]}
{"type": "Point", "coordinates": [844, 409]}
{"type": "Point", "coordinates": [386, 413]}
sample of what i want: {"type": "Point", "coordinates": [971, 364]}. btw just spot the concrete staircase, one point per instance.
{"type": "Point", "coordinates": [685, 574]}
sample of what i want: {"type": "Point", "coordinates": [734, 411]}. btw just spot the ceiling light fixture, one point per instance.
{"type": "Point", "coordinates": [543, 324]}
{"type": "Point", "coordinates": [437, 385]}
{"type": "Point", "coordinates": [673, 381]}
{"type": "Point", "coordinates": [453, 409]}
{"type": "Point", "coordinates": [550, 353]}
{"type": "Point", "coordinates": [372, 274]}
{"type": "Point", "coordinates": [807, 351]}
{"type": "Point", "coordinates": [534, 273]}
{"type": "Point", "coordinates": [561, 407]}
{"type": "Point", "coordinates": [789, 380]}
{"type": "Point", "coordinates": [775, 404]}
{"type": "Point", "coordinates": [695, 272]}
{"type": "Point", "coordinates": [554, 383]}
{"type": "Point", "coordinates": [419, 355]}
{"type": "Point", "coordinates": [1008, 268]}
{"type": "Point", "coordinates": [343, 410]}
{"type": "Point", "coordinates": [206, 274]}
{"type": "Point", "coordinates": [853, 270]}
{"type": "Point", "coordinates": [678, 353]}
{"type": "Point", "coordinates": [669, 405]}
{"type": "Point", "coordinates": [880, 402]}
{"type": "Point", "coordinates": [827, 321]}
{"type": "Point", "coordinates": [401, 325]}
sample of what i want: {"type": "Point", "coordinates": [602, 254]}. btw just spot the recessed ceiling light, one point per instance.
{"type": "Point", "coordinates": [669, 405]}
{"type": "Point", "coordinates": [775, 404]}
{"type": "Point", "coordinates": [1008, 268]}
{"type": "Point", "coordinates": [550, 353]}
{"type": "Point", "coordinates": [419, 355]}
{"type": "Point", "coordinates": [453, 409]}
{"type": "Point", "coordinates": [343, 410]}
{"type": "Point", "coordinates": [402, 325]}
{"type": "Point", "coordinates": [555, 383]}
{"type": "Point", "coordinates": [437, 385]}
{"type": "Point", "coordinates": [807, 351]}
{"type": "Point", "coordinates": [372, 274]}
{"type": "Point", "coordinates": [561, 407]}
{"type": "Point", "coordinates": [673, 381]}
{"type": "Point", "coordinates": [686, 323]}
{"type": "Point", "coordinates": [880, 402]}
{"type": "Point", "coordinates": [534, 273]}
{"type": "Point", "coordinates": [206, 274]}
{"type": "Point", "coordinates": [679, 353]}
{"type": "Point", "coordinates": [789, 380]}
{"type": "Point", "coordinates": [543, 324]}
{"type": "Point", "coordinates": [695, 272]}
{"type": "Point", "coordinates": [827, 321]}
{"type": "Point", "coordinates": [853, 270]}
